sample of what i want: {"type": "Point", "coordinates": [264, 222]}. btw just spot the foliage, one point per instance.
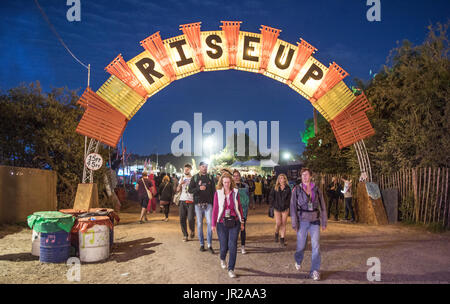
{"type": "Point", "coordinates": [309, 131]}
{"type": "Point", "coordinates": [37, 130]}
{"type": "Point", "coordinates": [411, 115]}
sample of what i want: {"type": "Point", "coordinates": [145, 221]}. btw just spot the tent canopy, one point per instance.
{"type": "Point", "coordinates": [268, 163]}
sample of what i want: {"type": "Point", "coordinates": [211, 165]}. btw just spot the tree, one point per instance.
{"type": "Point", "coordinates": [411, 115]}
{"type": "Point", "coordinates": [412, 108]}
{"type": "Point", "coordinates": [37, 130]}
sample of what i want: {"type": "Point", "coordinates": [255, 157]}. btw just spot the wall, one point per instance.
{"type": "Point", "coordinates": [24, 191]}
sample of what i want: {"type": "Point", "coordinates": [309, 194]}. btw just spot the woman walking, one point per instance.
{"type": "Point", "coordinates": [166, 195]}
{"type": "Point", "coordinates": [280, 199]}
{"type": "Point", "coordinates": [245, 202]}
{"type": "Point", "coordinates": [152, 202]}
{"type": "Point", "coordinates": [227, 217]}
{"type": "Point", "coordinates": [308, 212]}
{"type": "Point", "coordinates": [144, 187]}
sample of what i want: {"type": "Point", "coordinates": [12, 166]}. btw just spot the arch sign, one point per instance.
{"type": "Point", "coordinates": [163, 61]}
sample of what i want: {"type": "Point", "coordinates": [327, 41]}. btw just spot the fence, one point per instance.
{"type": "Point", "coordinates": [423, 193]}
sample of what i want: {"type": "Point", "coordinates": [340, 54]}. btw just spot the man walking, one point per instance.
{"type": "Point", "coordinates": [333, 191]}
{"type": "Point", "coordinates": [186, 206]}
{"type": "Point", "coordinates": [348, 198]}
{"type": "Point", "coordinates": [308, 213]}
{"type": "Point", "coordinates": [202, 186]}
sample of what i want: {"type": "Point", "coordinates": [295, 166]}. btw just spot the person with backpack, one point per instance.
{"type": "Point", "coordinates": [308, 213]}
{"type": "Point", "coordinates": [251, 189]}
{"type": "Point", "coordinates": [186, 205]}
{"type": "Point", "coordinates": [245, 202]}
{"type": "Point", "coordinates": [280, 199]}
{"type": "Point", "coordinates": [228, 218]}
{"type": "Point", "coordinates": [143, 187]}
{"type": "Point", "coordinates": [166, 195]}
{"type": "Point", "coordinates": [202, 186]}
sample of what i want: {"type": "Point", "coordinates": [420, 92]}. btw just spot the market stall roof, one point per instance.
{"type": "Point", "coordinates": [268, 163]}
{"type": "Point", "coordinates": [251, 163]}
{"type": "Point", "coordinates": [237, 164]}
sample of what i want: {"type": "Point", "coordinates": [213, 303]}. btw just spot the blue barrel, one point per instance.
{"type": "Point", "coordinates": [55, 247]}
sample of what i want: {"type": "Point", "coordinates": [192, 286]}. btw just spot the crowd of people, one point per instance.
{"type": "Point", "coordinates": [224, 199]}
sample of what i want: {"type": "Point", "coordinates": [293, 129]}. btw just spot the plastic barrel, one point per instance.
{"type": "Point", "coordinates": [74, 234]}
{"type": "Point", "coordinates": [55, 247]}
{"type": "Point", "coordinates": [109, 212]}
{"type": "Point", "coordinates": [94, 243]}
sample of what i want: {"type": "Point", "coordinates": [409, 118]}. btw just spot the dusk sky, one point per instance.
{"type": "Point", "coordinates": [338, 29]}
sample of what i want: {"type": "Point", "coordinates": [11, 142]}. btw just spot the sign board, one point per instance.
{"type": "Point", "coordinates": [94, 161]}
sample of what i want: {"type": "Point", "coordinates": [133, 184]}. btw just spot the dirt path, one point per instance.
{"type": "Point", "coordinates": [154, 253]}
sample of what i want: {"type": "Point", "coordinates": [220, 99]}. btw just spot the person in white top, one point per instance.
{"type": "Point", "coordinates": [348, 198]}
{"type": "Point", "coordinates": [186, 206]}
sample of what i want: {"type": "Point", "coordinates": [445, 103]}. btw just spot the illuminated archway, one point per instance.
{"type": "Point", "coordinates": [163, 61]}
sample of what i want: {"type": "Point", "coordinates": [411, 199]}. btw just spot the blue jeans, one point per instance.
{"type": "Point", "coordinates": [348, 206]}
{"type": "Point", "coordinates": [228, 238]}
{"type": "Point", "coordinates": [200, 213]}
{"type": "Point", "coordinates": [302, 234]}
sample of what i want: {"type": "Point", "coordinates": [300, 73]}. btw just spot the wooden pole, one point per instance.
{"type": "Point", "coordinates": [440, 201]}
{"type": "Point", "coordinates": [422, 194]}
{"type": "Point", "coordinates": [416, 198]}
{"type": "Point", "coordinates": [446, 201]}
{"type": "Point", "coordinates": [437, 195]}
{"type": "Point", "coordinates": [428, 195]}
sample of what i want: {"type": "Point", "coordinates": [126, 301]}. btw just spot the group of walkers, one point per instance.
{"type": "Point", "coordinates": [224, 202]}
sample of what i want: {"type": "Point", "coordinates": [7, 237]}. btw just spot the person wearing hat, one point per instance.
{"type": "Point", "coordinates": [203, 188]}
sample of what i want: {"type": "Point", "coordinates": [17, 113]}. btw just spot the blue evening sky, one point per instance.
{"type": "Point", "coordinates": [338, 29]}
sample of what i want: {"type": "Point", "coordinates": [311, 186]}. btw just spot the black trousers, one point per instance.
{"type": "Point", "coordinates": [243, 233]}
{"type": "Point", "coordinates": [166, 210]}
{"type": "Point", "coordinates": [187, 211]}
{"type": "Point", "coordinates": [330, 204]}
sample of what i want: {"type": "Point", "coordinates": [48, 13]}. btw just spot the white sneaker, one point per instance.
{"type": "Point", "coordinates": [315, 275]}
{"type": "Point", "coordinates": [231, 274]}
{"type": "Point", "coordinates": [223, 264]}
{"type": "Point", "coordinates": [243, 250]}
{"type": "Point", "coordinates": [297, 266]}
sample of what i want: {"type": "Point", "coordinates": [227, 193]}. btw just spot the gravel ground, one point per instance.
{"type": "Point", "coordinates": [153, 252]}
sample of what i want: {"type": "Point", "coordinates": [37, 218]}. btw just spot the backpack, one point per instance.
{"type": "Point", "coordinates": [196, 176]}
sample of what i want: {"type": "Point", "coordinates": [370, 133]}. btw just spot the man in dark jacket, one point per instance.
{"type": "Point", "coordinates": [202, 186]}
{"type": "Point", "coordinates": [333, 191]}
{"type": "Point", "coordinates": [308, 212]}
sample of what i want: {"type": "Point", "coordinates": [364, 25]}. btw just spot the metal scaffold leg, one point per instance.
{"type": "Point", "coordinates": [88, 175]}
